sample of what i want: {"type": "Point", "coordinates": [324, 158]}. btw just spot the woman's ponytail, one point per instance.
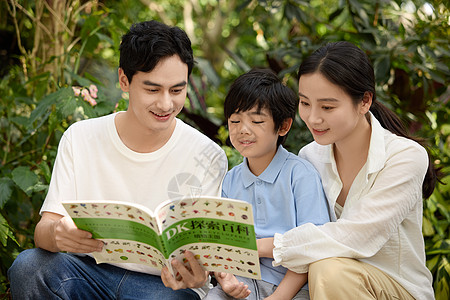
{"type": "Point", "coordinates": [390, 121]}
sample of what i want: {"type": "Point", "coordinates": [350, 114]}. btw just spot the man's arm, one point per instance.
{"type": "Point", "coordinates": [57, 233]}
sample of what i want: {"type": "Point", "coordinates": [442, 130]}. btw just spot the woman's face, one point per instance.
{"type": "Point", "coordinates": [328, 110]}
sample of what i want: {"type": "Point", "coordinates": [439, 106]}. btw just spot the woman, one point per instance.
{"type": "Point", "coordinates": [375, 177]}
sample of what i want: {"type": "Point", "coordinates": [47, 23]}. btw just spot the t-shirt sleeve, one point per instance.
{"type": "Point", "coordinates": [310, 200]}
{"type": "Point", "coordinates": [62, 183]}
{"type": "Point", "coordinates": [214, 174]}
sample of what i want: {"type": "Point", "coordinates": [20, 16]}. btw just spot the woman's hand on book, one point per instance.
{"type": "Point", "coordinates": [192, 277]}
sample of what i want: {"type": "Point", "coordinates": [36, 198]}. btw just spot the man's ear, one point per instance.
{"type": "Point", "coordinates": [366, 102]}
{"type": "Point", "coordinates": [123, 81]}
{"type": "Point", "coordinates": [285, 127]}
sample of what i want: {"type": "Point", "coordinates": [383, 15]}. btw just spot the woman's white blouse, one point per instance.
{"type": "Point", "coordinates": [381, 222]}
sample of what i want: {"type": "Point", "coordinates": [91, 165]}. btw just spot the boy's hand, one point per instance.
{"type": "Point", "coordinates": [232, 286]}
{"type": "Point", "coordinates": [265, 247]}
{"type": "Point", "coordinates": [194, 277]}
{"type": "Point", "coordinates": [71, 239]}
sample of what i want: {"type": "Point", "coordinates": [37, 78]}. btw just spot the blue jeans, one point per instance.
{"type": "Point", "coordinates": [39, 274]}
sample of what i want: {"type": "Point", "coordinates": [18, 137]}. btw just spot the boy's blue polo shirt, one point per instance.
{"type": "Point", "coordinates": [287, 194]}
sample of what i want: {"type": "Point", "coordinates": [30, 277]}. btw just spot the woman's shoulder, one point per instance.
{"type": "Point", "coordinates": [315, 152]}
{"type": "Point", "coordinates": [405, 152]}
{"type": "Point", "coordinates": [395, 144]}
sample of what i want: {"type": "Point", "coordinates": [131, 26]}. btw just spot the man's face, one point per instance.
{"type": "Point", "coordinates": [156, 97]}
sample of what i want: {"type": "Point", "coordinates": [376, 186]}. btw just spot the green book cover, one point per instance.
{"type": "Point", "coordinates": [219, 231]}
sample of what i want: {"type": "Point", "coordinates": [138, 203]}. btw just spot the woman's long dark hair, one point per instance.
{"type": "Point", "coordinates": [347, 66]}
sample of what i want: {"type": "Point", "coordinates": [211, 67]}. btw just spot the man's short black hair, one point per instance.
{"type": "Point", "coordinates": [146, 43]}
{"type": "Point", "coordinates": [261, 88]}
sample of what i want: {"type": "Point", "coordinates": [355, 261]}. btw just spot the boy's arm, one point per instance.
{"type": "Point", "coordinates": [265, 247]}
{"type": "Point", "coordinates": [57, 233]}
{"type": "Point", "coordinates": [232, 286]}
{"type": "Point", "coordinates": [291, 283]}
{"type": "Point", "coordinates": [289, 286]}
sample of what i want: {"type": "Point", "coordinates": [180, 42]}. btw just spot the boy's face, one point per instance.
{"type": "Point", "coordinates": [156, 97]}
{"type": "Point", "coordinates": [253, 134]}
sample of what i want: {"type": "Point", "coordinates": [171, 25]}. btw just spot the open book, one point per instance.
{"type": "Point", "coordinates": [219, 231]}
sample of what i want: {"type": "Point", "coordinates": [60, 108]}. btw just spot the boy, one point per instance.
{"type": "Point", "coordinates": [144, 155]}
{"type": "Point", "coordinates": [284, 190]}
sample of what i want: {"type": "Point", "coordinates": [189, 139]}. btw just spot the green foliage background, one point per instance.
{"type": "Point", "coordinates": [49, 46]}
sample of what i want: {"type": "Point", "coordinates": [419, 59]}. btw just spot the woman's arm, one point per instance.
{"type": "Point", "coordinates": [368, 222]}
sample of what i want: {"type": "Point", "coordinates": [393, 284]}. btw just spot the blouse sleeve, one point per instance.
{"type": "Point", "coordinates": [366, 225]}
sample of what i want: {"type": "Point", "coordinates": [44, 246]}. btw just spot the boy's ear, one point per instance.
{"type": "Point", "coordinates": [285, 127]}
{"type": "Point", "coordinates": [123, 81]}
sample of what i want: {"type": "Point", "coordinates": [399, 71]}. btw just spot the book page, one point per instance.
{"type": "Point", "coordinates": [220, 233]}
{"type": "Point", "coordinates": [129, 232]}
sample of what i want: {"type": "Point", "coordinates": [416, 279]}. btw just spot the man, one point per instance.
{"type": "Point", "coordinates": [144, 155]}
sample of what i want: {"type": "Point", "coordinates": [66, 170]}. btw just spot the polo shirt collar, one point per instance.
{"type": "Point", "coordinates": [270, 173]}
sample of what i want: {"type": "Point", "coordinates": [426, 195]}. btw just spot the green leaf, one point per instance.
{"type": "Point", "coordinates": [433, 262]}
{"type": "Point", "coordinates": [208, 70]}
{"type": "Point", "coordinates": [427, 227]}
{"type": "Point", "coordinates": [382, 66]}
{"type": "Point", "coordinates": [445, 129]}
{"type": "Point", "coordinates": [103, 108]}
{"type": "Point", "coordinates": [5, 190]}
{"type": "Point", "coordinates": [336, 13]}
{"type": "Point", "coordinates": [45, 104]}
{"type": "Point", "coordinates": [45, 170]}
{"type": "Point", "coordinates": [40, 187]}
{"type": "Point", "coordinates": [20, 121]}
{"type": "Point", "coordinates": [43, 77]}
{"type": "Point", "coordinates": [25, 179]}
{"type": "Point", "coordinates": [91, 78]}
{"type": "Point", "coordinates": [445, 186]}
{"type": "Point", "coordinates": [5, 232]}
{"type": "Point", "coordinates": [66, 107]}
{"type": "Point", "coordinates": [105, 38]}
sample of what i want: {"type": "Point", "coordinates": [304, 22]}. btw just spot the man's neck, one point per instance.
{"type": "Point", "coordinates": [138, 138]}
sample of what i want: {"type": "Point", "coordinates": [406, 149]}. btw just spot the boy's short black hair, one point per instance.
{"type": "Point", "coordinates": [146, 43]}
{"type": "Point", "coordinates": [261, 88]}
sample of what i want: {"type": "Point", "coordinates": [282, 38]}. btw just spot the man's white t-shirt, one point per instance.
{"type": "Point", "coordinates": [93, 164]}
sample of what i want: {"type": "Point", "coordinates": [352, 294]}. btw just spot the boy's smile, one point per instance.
{"type": "Point", "coordinates": [253, 134]}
